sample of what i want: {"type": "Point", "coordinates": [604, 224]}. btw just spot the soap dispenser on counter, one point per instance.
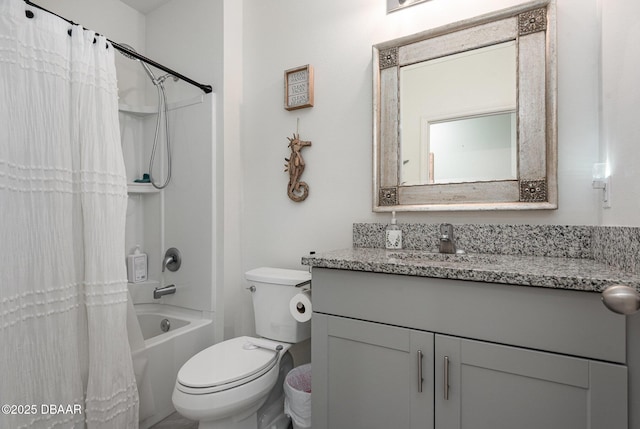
{"type": "Point", "coordinates": [137, 266]}
{"type": "Point", "coordinates": [393, 234]}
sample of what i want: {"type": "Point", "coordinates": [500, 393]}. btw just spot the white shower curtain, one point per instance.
{"type": "Point", "coordinates": [64, 355]}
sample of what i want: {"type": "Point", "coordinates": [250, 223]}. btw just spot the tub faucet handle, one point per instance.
{"type": "Point", "coordinates": [172, 260]}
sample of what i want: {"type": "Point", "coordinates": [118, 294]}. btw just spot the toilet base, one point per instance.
{"type": "Point", "coordinates": [281, 422]}
{"type": "Point", "coordinates": [250, 422]}
{"type": "Point", "coordinates": [270, 415]}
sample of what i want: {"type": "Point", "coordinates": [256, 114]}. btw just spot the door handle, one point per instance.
{"type": "Point", "coordinates": [420, 379]}
{"type": "Point", "coordinates": [446, 378]}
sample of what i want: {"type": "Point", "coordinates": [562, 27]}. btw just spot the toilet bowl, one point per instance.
{"type": "Point", "coordinates": [237, 384]}
{"type": "Point", "coordinates": [228, 381]}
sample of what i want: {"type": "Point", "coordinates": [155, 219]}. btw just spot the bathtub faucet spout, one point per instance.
{"type": "Point", "coordinates": [159, 292]}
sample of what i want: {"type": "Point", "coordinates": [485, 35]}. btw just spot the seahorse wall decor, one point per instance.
{"type": "Point", "coordinates": [296, 190]}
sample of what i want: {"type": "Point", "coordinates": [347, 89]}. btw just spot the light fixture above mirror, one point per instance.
{"type": "Point", "coordinates": [393, 5]}
{"type": "Point", "coordinates": [465, 115]}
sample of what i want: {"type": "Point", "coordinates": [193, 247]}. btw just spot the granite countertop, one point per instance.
{"type": "Point", "coordinates": [541, 271]}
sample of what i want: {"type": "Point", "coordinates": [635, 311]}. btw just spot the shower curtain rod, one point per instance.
{"type": "Point", "coordinates": [206, 88]}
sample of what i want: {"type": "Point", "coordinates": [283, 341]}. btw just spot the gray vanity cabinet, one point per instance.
{"type": "Point", "coordinates": [518, 357]}
{"type": "Point", "coordinates": [494, 386]}
{"type": "Point", "coordinates": [375, 376]}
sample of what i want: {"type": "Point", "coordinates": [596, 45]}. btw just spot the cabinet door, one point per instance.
{"type": "Point", "coordinates": [492, 386]}
{"type": "Point", "coordinates": [366, 375]}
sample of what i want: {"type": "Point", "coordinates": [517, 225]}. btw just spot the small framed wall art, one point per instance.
{"type": "Point", "coordinates": [298, 87]}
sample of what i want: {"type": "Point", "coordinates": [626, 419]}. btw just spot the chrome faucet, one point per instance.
{"type": "Point", "coordinates": [172, 259]}
{"type": "Point", "coordinates": [447, 243]}
{"type": "Point", "coordinates": [169, 259]}
{"type": "Point", "coordinates": [159, 292]}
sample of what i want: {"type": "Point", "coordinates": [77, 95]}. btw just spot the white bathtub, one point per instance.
{"type": "Point", "coordinates": [153, 321]}
{"type": "Point", "coordinates": [166, 352]}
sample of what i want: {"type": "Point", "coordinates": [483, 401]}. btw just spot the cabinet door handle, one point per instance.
{"type": "Point", "coordinates": [420, 379]}
{"type": "Point", "coordinates": [446, 378]}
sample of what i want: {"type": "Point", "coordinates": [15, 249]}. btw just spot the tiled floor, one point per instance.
{"type": "Point", "coordinates": [175, 421]}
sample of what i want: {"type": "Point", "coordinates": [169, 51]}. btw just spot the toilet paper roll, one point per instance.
{"type": "Point", "coordinates": [300, 306]}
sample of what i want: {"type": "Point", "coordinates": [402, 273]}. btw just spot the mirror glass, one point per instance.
{"type": "Point", "coordinates": [458, 117]}
{"type": "Point", "coordinates": [465, 115]}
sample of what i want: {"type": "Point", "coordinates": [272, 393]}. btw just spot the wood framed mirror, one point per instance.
{"type": "Point", "coordinates": [465, 115]}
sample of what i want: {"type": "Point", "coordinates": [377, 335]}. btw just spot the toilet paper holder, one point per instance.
{"type": "Point", "coordinates": [301, 308]}
{"type": "Point", "coordinates": [303, 284]}
{"type": "Point", "coordinates": [300, 305]}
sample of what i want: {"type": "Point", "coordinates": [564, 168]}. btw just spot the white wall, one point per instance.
{"type": "Point", "coordinates": [237, 302]}
{"type": "Point", "coordinates": [336, 38]}
{"type": "Point", "coordinates": [620, 109]}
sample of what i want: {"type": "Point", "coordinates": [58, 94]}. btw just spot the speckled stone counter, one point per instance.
{"type": "Point", "coordinates": [541, 271]}
{"type": "Point", "coordinates": [584, 258]}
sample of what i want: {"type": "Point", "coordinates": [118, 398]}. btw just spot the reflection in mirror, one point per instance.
{"type": "Point", "coordinates": [477, 149]}
{"type": "Point", "coordinates": [445, 91]}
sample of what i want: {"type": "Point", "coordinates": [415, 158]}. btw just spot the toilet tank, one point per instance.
{"type": "Point", "coordinates": [274, 289]}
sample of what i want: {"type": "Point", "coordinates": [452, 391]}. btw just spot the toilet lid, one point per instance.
{"type": "Point", "coordinates": [225, 363]}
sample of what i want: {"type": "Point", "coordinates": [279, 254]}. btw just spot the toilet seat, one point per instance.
{"type": "Point", "coordinates": [226, 365]}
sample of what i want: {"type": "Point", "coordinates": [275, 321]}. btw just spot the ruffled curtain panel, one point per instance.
{"type": "Point", "coordinates": [63, 196]}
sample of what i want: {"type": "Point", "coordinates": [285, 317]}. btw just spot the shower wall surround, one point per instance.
{"type": "Point", "coordinates": [618, 247]}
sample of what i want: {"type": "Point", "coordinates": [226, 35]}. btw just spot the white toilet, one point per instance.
{"type": "Point", "coordinates": [237, 384]}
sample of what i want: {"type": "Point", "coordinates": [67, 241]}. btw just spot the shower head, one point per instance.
{"type": "Point", "coordinates": [144, 65]}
